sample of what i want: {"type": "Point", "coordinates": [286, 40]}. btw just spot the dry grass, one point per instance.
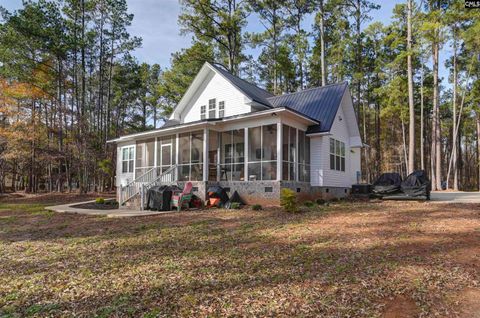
{"type": "Point", "coordinates": [349, 259]}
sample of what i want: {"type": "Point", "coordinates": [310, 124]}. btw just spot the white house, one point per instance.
{"type": "Point", "coordinates": [226, 131]}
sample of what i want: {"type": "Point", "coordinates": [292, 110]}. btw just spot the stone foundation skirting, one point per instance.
{"type": "Point", "coordinates": [268, 192]}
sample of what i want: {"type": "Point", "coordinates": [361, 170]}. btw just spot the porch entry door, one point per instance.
{"type": "Point", "coordinates": [166, 159]}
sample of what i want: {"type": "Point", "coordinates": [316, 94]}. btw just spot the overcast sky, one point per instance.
{"type": "Point", "coordinates": [155, 22]}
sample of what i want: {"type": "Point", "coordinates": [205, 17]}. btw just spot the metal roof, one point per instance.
{"type": "Point", "coordinates": [320, 103]}
{"type": "Point", "coordinates": [256, 93]}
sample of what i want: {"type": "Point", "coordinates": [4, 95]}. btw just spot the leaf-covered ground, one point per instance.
{"type": "Point", "coordinates": [360, 259]}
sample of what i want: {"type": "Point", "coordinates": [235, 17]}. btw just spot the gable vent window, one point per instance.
{"type": "Point", "coordinates": [337, 155]}
{"type": "Point", "coordinates": [203, 112]}
{"type": "Point", "coordinates": [221, 109]}
{"type": "Point", "coordinates": [211, 108]}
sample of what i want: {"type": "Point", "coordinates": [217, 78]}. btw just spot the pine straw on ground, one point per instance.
{"type": "Point", "coordinates": [386, 259]}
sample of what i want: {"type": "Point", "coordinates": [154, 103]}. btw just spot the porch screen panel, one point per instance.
{"type": "Point", "coordinates": [145, 154]}
{"type": "Point", "coordinates": [289, 152]}
{"type": "Point", "coordinates": [269, 159]}
{"type": "Point", "coordinates": [213, 159]}
{"type": "Point", "coordinates": [303, 157]}
{"type": "Point", "coordinates": [184, 157]}
{"type": "Point", "coordinates": [232, 166]}
{"type": "Point", "coordinates": [262, 153]}
{"type": "Point", "coordinates": [196, 170]}
{"type": "Point", "coordinates": [190, 157]}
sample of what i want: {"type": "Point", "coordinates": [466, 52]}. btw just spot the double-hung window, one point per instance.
{"type": "Point", "coordinates": [212, 103]}
{"type": "Point", "coordinates": [127, 159]}
{"type": "Point", "coordinates": [203, 112]}
{"type": "Point", "coordinates": [337, 155]}
{"type": "Point", "coordinates": [221, 109]}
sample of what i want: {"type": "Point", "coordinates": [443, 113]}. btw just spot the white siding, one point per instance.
{"type": "Point", "coordinates": [321, 174]}
{"type": "Point", "coordinates": [215, 86]}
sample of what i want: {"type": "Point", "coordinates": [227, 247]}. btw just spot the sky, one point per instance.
{"type": "Point", "coordinates": [155, 21]}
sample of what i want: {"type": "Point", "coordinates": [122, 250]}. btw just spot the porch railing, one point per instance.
{"type": "Point", "coordinates": [134, 187]}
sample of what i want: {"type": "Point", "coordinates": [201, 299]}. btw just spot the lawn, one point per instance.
{"type": "Point", "coordinates": [352, 259]}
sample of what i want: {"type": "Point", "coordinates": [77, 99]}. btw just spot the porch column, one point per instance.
{"type": "Point", "coordinates": [279, 151]}
{"type": "Point", "coordinates": [155, 153]}
{"type": "Point", "coordinates": [177, 174]}
{"type": "Point", "coordinates": [295, 162]}
{"type": "Point", "coordinates": [246, 155]}
{"type": "Point", "coordinates": [205, 153]}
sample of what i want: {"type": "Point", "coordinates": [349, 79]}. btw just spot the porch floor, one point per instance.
{"type": "Point", "coordinates": [117, 213]}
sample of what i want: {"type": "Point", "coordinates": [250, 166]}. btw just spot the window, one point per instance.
{"type": "Point", "coordinates": [211, 108]}
{"type": "Point", "coordinates": [337, 155]}
{"type": "Point", "coordinates": [203, 112]}
{"type": "Point", "coordinates": [221, 109]}
{"type": "Point", "coordinates": [127, 159]}
{"type": "Point", "coordinates": [262, 153]}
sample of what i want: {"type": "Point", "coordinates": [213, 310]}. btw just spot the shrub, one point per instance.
{"type": "Point", "coordinates": [334, 199]}
{"type": "Point", "coordinates": [235, 205]}
{"type": "Point", "coordinates": [320, 201]}
{"type": "Point", "coordinates": [256, 207]}
{"type": "Point", "coordinates": [309, 204]}
{"type": "Point", "coordinates": [288, 200]}
{"type": "Point", "coordinates": [100, 201]}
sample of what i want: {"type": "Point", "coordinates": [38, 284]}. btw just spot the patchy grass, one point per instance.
{"type": "Point", "coordinates": [347, 259]}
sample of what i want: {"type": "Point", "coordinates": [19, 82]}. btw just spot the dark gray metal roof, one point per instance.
{"type": "Point", "coordinates": [256, 93]}
{"type": "Point", "coordinates": [320, 103]}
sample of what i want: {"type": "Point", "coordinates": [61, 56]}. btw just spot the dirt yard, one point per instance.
{"type": "Point", "coordinates": [360, 259]}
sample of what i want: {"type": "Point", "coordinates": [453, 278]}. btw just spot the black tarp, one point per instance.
{"type": "Point", "coordinates": [387, 183]}
{"type": "Point", "coordinates": [217, 192]}
{"type": "Point", "coordinates": [159, 197]}
{"type": "Point", "coordinates": [236, 198]}
{"type": "Point", "coordinates": [417, 184]}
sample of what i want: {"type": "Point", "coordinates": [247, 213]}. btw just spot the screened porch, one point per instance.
{"type": "Point", "coordinates": [271, 152]}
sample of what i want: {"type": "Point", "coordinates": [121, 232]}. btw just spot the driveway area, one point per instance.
{"type": "Point", "coordinates": [455, 197]}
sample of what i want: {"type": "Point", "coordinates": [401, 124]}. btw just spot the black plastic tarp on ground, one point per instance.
{"type": "Point", "coordinates": [387, 183]}
{"type": "Point", "coordinates": [159, 197]}
{"type": "Point", "coordinates": [416, 184]}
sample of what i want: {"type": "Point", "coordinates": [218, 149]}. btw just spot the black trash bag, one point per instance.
{"type": "Point", "coordinates": [217, 192]}
{"type": "Point", "coordinates": [236, 198]}
{"type": "Point", "coordinates": [387, 183]}
{"type": "Point", "coordinates": [417, 184]}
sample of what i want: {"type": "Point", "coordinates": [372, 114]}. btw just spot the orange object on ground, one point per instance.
{"type": "Point", "coordinates": [214, 201]}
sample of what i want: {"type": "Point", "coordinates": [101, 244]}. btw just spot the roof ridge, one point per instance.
{"type": "Point", "coordinates": [256, 86]}
{"type": "Point", "coordinates": [311, 88]}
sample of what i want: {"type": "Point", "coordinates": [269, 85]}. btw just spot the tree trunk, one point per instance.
{"type": "Point", "coordinates": [322, 45]}
{"type": "Point", "coordinates": [411, 106]}
{"type": "Point", "coordinates": [422, 142]}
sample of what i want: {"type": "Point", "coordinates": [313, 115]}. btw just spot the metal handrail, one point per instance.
{"type": "Point", "coordinates": [133, 187]}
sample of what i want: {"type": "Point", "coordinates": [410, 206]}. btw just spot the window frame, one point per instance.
{"type": "Point", "coordinates": [203, 112]}
{"type": "Point", "coordinates": [212, 107]}
{"type": "Point", "coordinates": [130, 158]}
{"type": "Point", "coordinates": [337, 154]}
{"type": "Point", "coordinates": [221, 109]}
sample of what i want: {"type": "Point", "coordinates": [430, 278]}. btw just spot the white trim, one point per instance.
{"type": "Point", "coordinates": [326, 133]}
{"type": "Point", "coordinates": [211, 123]}
{"type": "Point", "coordinates": [279, 151]}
